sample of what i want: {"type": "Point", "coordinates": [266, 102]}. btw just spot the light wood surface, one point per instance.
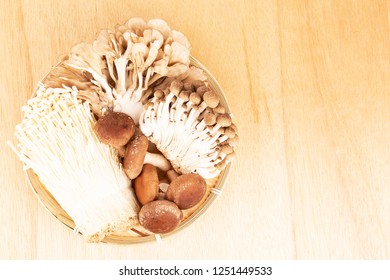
{"type": "Point", "coordinates": [309, 85]}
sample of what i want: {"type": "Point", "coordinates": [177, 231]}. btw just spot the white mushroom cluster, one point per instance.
{"type": "Point", "coordinates": [117, 70]}
{"type": "Point", "coordinates": [56, 139]}
{"type": "Point", "coordinates": [190, 126]}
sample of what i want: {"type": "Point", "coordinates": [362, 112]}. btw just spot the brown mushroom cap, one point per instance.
{"type": "Point", "coordinates": [230, 132]}
{"type": "Point", "coordinates": [211, 99]}
{"type": "Point", "coordinates": [195, 98]}
{"type": "Point", "coordinates": [176, 86]}
{"type": "Point", "coordinates": [198, 83]}
{"type": "Point", "coordinates": [220, 109]}
{"type": "Point", "coordinates": [187, 190]}
{"type": "Point", "coordinates": [146, 184]}
{"type": "Point", "coordinates": [188, 86]}
{"type": "Point", "coordinates": [201, 90]}
{"type": "Point", "coordinates": [160, 216]}
{"type": "Point", "coordinates": [135, 156]}
{"type": "Point", "coordinates": [224, 120]}
{"type": "Point", "coordinates": [115, 129]}
{"type": "Point", "coordinates": [185, 95]}
{"type": "Point", "coordinates": [210, 119]}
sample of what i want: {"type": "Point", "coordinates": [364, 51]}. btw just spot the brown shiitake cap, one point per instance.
{"type": "Point", "coordinates": [220, 109]}
{"type": "Point", "coordinates": [176, 86]}
{"type": "Point", "coordinates": [115, 129]}
{"type": "Point", "coordinates": [224, 120]}
{"type": "Point", "coordinates": [211, 99]}
{"type": "Point", "coordinates": [160, 216]}
{"type": "Point", "coordinates": [146, 184]}
{"type": "Point", "coordinates": [135, 155]}
{"type": "Point", "coordinates": [187, 190]}
{"type": "Point", "coordinates": [210, 119]}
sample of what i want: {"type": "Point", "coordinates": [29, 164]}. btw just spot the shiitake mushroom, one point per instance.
{"type": "Point", "coordinates": [115, 129]}
{"type": "Point", "coordinates": [187, 190]}
{"type": "Point", "coordinates": [160, 216]}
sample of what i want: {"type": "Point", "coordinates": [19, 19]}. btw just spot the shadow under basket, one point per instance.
{"type": "Point", "coordinates": [138, 234]}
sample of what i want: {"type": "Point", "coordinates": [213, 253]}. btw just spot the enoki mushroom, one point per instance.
{"type": "Point", "coordinates": [84, 174]}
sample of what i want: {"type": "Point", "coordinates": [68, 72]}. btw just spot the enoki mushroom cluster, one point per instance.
{"type": "Point", "coordinates": [56, 140]}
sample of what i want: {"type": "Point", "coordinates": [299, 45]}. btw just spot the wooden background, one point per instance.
{"type": "Point", "coordinates": [309, 85]}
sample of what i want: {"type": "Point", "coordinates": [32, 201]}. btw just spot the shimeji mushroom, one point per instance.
{"type": "Point", "coordinates": [184, 127]}
{"type": "Point", "coordinates": [123, 63]}
{"type": "Point", "coordinates": [136, 155]}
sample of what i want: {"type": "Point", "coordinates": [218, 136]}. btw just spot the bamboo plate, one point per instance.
{"type": "Point", "coordinates": [138, 234]}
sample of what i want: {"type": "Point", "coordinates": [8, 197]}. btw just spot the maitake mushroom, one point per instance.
{"type": "Point", "coordinates": [191, 128]}
{"type": "Point", "coordinates": [117, 70]}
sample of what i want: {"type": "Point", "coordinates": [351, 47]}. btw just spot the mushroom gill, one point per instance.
{"type": "Point", "coordinates": [186, 130]}
{"type": "Point", "coordinates": [120, 66]}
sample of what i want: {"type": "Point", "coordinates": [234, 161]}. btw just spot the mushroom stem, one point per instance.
{"type": "Point", "coordinates": [172, 174]}
{"type": "Point", "coordinates": [157, 160]}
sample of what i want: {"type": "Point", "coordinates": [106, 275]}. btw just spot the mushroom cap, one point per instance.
{"type": "Point", "coordinates": [176, 87]}
{"type": "Point", "coordinates": [187, 190]}
{"type": "Point", "coordinates": [220, 109]}
{"type": "Point", "coordinates": [160, 216]}
{"type": "Point", "coordinates": [135, 155]}
{"type": "Point", "coordinates": [211, 98]}
{"type": "Point", "coordinates": [147, 184]}
{"type": "Point", "coordinates": [210, 119]}
{"type": "Point", "coordinates": [224, 120]}
{"type": "Point", "coordinates": [115, 129]}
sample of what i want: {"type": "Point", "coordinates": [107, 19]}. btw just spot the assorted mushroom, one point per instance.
{"type": "Point", "coordinates": [170, 195]}
{"type": "Point", "coordinates": [143, 90]}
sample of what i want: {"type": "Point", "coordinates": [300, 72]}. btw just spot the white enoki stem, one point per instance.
{"type": "Point", "coordinates": [57, 141]}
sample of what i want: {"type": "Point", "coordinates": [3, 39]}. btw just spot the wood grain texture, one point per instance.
{"type": "Point", "coordinates": [309, 85]}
